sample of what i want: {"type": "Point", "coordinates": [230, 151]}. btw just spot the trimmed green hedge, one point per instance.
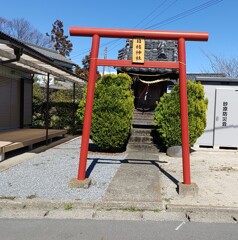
{"type": "Point", "coordinates": [112, 111]}
{"type": "Point", "coordinates": [61, 115]}
{"type": "Point", "coordinates": [167, 114]}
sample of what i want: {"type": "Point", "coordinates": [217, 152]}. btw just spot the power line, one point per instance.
{"type": "Point", "coordinates": [112, 42]}
{"type": "Point", "coordinates": [186, 13]}
{"type": "Point", "coordinates": [183, 14]}
{"type": "Point", "coordinates": [162, 23]}
{"type": "Point", "coordinates": [159, 6]}
{"type": "Point", "coordinates": [152, 12]}
{"type": "Point", "coordinates": [160, 13]}
{"type": "Point", "coordinates": [87, 50]}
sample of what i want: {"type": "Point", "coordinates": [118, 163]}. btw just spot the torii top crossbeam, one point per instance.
{"type": "Point", "coordinates": [96, 34]}
{"type": "Point", "coordinates": [131, 33]}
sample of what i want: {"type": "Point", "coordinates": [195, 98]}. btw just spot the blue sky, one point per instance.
{"type": "Point", "coordinates": [219, 20]}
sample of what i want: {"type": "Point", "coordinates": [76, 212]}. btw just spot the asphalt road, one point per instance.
{"type": "Point", "coordinates": [51, 229]}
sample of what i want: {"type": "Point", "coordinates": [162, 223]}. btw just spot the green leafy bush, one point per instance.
{"type": "Point", "coordinates": [167, 115]}
{"type": "Point", "coordinates": [112, 111]}
{"type": "Point", "coordinates": [62, 111]}
{"type": "Point", "coordinates": [61, 115]}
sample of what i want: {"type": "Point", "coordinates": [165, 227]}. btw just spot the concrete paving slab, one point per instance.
{"type": "Point", "coordinates": [143, 156]}
{"type": "Point", "coordinates": [135, 182]}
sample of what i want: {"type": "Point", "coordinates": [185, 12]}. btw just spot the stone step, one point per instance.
{"type": "Point", "coordinates": [143, 116]}
{"type": "Point", "coordinates": [145, 112]}
{"type": "Point", "coordinates": [141, 139]}
{"type": "Point", "coordinates": [141, 122]}
{"type": "Point", "coordinates": [152, 148]}
{"type": "Point", "coordinates": [143, 156]}
{"type": "Point", "coordinates": [141, 132]}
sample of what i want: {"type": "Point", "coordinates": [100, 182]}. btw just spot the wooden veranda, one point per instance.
{"type": "Point", "coordinates": [19, 138]}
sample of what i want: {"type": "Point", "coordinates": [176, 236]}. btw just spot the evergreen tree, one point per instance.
{"type": "Point", "coordinates": [61, 43]}
{"type": "Point", "coordinates": [167, 114]}
{"type": "Point", "coordinates": [84, 71]}
{"type": "Point", "coordinates": [112, 111]}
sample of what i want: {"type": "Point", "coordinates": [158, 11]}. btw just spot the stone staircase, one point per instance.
{"type": "Point", "coordinates": [143, 119]}
{"type": "Point", "coordinates": [142, 139]}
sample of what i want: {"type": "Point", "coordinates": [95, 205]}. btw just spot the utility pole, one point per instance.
{"type": "Point", "coordinates": [105, 57]}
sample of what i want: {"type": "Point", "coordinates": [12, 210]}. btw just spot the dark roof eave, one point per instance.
{"type": "Point", "coordinates": [31, 52]}
{"type": "Point", "coordinates": [216, 79]}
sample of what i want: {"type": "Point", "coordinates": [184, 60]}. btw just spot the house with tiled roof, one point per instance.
{"type": "Point", "coordinates": [19, 63]}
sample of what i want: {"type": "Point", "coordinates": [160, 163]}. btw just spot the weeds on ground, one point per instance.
{"type": "Point", "coordinates": [167, 199]}
{"type": "Point", "coordinates": [68, 206]}
{"type": "Point", "coordinates": [157, 210]}
{"type": "Point", "coordinates": [31, 196]}
{"type": "Point", "coordinates": [132, 209]}
{"type": "Point", "coordinates": [8, 197]}
{"type": "Point", "coordinates": [108, 209]}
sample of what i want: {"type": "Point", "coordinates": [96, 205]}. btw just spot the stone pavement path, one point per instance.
{"type": "Point", "coordinates": [136, 182]}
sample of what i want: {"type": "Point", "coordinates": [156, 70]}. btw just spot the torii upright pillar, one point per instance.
{"type": "Point", "coordinates": [96, 34]}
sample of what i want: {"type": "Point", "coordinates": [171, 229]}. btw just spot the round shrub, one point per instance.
{"type": "Point", "coordinates": [167, 114]}
{"type": "Point", "coordinates": [112, 111]}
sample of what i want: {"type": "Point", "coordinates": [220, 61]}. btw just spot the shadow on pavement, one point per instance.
{"type": "Point", "coordinates": [130, 161]}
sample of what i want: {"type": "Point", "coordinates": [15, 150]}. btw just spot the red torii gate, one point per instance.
{"type": "Point", "coordinates": [96, 34]}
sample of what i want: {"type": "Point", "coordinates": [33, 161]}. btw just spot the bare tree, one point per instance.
{"type": "Point", "coordinates": [221, 64]}
{"type": "Point", "coordinates": [23, 30]}
{"type": "Point", "coordinates": [4, 24]}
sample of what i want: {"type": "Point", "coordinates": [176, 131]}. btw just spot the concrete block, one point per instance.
{"type": "Point", "coordinates": [188, 189]}
{"type": "Point", "coordinates": [2, 156]}
{"type": "Point", "coordinates": [75, 183]}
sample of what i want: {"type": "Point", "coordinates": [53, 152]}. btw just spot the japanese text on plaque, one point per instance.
{"type": "Point", "coordinates": [138, 54]}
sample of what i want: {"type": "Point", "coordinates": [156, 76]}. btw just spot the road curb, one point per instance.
{"type": "Point", "coordinates": [43, 204]}
{"type": "Point", "coordinates": [202, 213]}
{"type": "Point", "coordinates": [127, 205]}
{"type": "Point", "coordinates": [154, 211]}
{"type": "Point", "coordinates": [201, 208]}
{"type": "Point", "coordinates": [59, 204]}
{"type": "Point", "coordinates": [117, 205]}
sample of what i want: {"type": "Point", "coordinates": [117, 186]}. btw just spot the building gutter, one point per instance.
{"type": "Point", "coordinates": [18, 52]}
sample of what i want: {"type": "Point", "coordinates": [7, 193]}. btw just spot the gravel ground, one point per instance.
{"type": "Point", "coordinates": [47, 175]}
